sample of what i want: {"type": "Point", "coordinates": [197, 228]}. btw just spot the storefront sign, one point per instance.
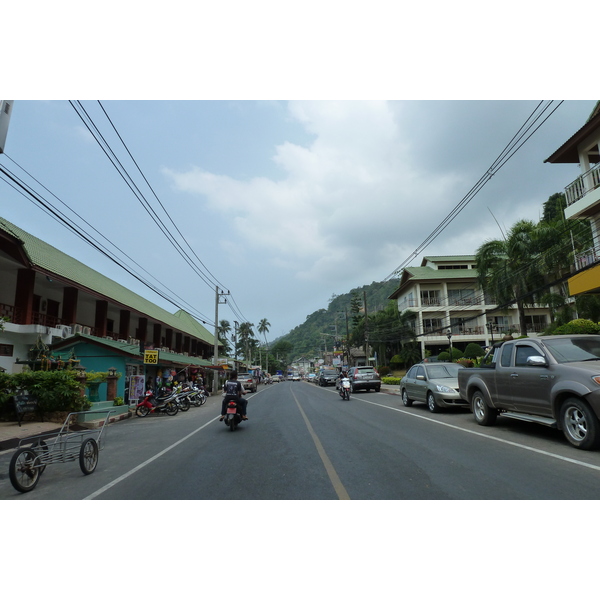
{"type": "Point", "coordinates": [150, 357]}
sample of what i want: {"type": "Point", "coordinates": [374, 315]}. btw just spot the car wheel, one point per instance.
{"type": "Point", "coordinates": [432, 404]}
{"type": "Point", "coordinates": [579, 424]}
{"type": "Point", "coordinates": [405, 399]}
{"type": "Point", "coordinates": [484, 414]}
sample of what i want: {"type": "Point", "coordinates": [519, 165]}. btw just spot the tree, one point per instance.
{"type": "Point", "coordinates": [245, 335]}
{"type": "Point", "coordinates": [263, 327]}
{"type": "Point", "coordinates": [223, 331]}
{"type": "Point", "coordinates": [508, 269]}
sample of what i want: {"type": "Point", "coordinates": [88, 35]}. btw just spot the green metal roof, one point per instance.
{"type": "Point", "coordinates": [51, 260]}
{"type": "Point", "coordinates": [132, 350]}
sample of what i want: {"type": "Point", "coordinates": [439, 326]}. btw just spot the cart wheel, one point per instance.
{"type": "Point", "coordinates": [24, 470]}
{"type": "Point", "coordinates": [41, 449]}
{"type": "Point", "coordinates": [88, 456]}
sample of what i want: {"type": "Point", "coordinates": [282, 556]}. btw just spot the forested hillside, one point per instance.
{"type": "Point", "coordinates": [323, 324]}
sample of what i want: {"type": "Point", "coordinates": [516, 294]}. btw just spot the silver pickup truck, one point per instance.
{"type": "Point", "coordinates": [552, 380]}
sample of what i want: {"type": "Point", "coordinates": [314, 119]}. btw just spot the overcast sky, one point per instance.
{"type": "Point", "coordinates": [285, 203]}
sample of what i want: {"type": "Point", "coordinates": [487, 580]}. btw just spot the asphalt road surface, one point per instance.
{"type": "Point", "coordinates": [303, 442]}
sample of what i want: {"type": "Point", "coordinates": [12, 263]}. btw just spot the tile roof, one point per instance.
{"type": "Point", "coordinates": [46, 258]}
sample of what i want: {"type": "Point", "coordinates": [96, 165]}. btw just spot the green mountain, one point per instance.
{"type": "Point", "coordinates": [320, 328]}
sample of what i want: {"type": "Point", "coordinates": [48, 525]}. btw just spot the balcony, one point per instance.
{"type": "Point", "coordinates": [589, 257]}
{"type": "Point", "coordinates": [590, 180]}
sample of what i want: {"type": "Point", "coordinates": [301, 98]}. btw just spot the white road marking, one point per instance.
{"type": "Point", "coordinates": [485, 435]}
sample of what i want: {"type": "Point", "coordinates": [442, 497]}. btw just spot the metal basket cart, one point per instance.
{"type": "Point", "coordinates": [35, 453]}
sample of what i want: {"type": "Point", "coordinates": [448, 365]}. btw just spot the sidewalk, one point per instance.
{"type": "Point", "coordinates": [11, 433]}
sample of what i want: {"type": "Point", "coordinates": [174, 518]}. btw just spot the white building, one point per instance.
{"type": "Point", "coordinates": [447, 300]}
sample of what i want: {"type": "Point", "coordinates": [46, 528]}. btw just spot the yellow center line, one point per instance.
{"type": "Point", "coordinates": [338, 486]}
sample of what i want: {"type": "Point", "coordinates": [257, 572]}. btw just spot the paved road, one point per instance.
{"type": "Point", "coordinates": [304, 442]}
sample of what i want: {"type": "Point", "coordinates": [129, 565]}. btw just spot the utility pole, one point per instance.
{"type": "Point", "coordinates": [219, 299]}
{"type": "Point", "coordinates": [366, 328]}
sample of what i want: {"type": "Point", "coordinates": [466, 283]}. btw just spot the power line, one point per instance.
{"type": "Point", "coordinates": [507, 153]}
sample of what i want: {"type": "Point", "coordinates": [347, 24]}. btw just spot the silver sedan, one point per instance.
{"type": "Point", "coordinates": [436, 384]}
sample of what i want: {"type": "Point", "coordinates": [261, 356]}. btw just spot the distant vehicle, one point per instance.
{"type": "Point", "coordinates": [275, 378]}
{"type": "Point", "coordinates": [327, 377]}
{"type": "Point", "coordinates": [247, 381]}
{"type": "Point", "coordinates": [436, 384]}
{"type": "Point", "coordinates": [364, 378]}
{"type": "Point", "coordinates": [311, 377]}
{"type": "Point", "coordinates": [296, 377]}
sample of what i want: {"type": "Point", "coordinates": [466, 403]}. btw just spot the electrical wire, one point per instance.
{"type": "Point", "coordinates": [507, 153]}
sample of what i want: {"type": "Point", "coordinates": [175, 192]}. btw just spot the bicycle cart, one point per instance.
{"type": "Point", "coordinates": [35, 453]}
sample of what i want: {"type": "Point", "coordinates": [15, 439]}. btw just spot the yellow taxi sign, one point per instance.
{"type": "Point", "coordinates": [150, 357]}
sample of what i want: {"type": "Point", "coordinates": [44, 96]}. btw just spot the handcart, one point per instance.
{"type": "Point", "coordinates": [35, 453]}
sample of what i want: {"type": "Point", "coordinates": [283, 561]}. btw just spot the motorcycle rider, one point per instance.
{"type": "Point", "coordinates": [343, 375]}
{"type": "Point", "coordinates": [234, 390]}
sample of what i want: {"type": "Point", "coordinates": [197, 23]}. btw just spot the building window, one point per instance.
{"type": "Point", "coordinates": [433, 326]}
{"type": "Point", "coordinates": [430, 298]}
{"type": "Point", "coordinates": [6, 349]}
{"type": "Point", "coordinates": [461, 297]}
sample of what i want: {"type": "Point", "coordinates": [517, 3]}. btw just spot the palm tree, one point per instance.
{"type": "Point", "coordinates": [223, 331]}
{"type": "Point", "coordinates": [245, 333]}
{"type": "Point", "coordinates": [508, 269]}
{"type": "Point", "coordinates": [263, 327]}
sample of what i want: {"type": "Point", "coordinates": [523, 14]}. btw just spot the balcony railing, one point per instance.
{"type": "Point", "coordinates": [582, 185]}
{"type": "Point", "coordinates": [587, 258]}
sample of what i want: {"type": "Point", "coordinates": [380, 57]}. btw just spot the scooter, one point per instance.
{"type": "Point", "coordinates": [151, 403]}
{"type": "Point", "coordinates": [198, 396]}
{"type": "Point", "coordinates": [232, 416]}
{"type": "Point", "coordinates": [345, 388]}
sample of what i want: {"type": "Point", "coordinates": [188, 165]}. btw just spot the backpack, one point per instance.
{"type": "Point", "coordinates": [232, 390]}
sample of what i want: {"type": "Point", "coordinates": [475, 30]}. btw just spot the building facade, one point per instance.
{"type": "Point", "coordinates": [583, 199]}
{"type": "Point", "coordinates": [48, 298]}
{"type": "Point", "coordinates": [451, 308]}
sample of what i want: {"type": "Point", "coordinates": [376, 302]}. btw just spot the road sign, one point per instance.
{"type": "Point", "coordinates": [150, 357]}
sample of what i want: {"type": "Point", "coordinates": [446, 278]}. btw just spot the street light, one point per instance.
{"type": "Point", "coordinates": [449, 336]}
{"type": "Point", "coordinates": [490, 328]}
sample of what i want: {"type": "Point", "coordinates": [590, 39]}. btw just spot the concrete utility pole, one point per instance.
{"type": "Point", "coordinates": [220, 299]}
{"type": "Point", "coordinates": [5, 112]}
{"type": "Point", "coordinates": [366, 328]}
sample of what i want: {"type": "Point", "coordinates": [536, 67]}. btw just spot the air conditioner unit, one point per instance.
{"type": "Point", "coordinates": [64, 329]}
{"type": "Point", "coordinates": [123, 341]}
{"type": "Point", "coordinates": [77, 328]}
{"type": "Point", "coordinates": [87, 330]}
{"type": "Point", "coordinates": [106, 337]}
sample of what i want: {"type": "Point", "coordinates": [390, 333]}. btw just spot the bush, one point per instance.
{"type": "Point", "coordinates": [391, 380]}
{"type": "Point", "coordinates": [466, 362]}
{"type": "Point", "coordinates": [444, 356]}
{"type": "Point", "coordinates": [396, 362]}
{"type": "Point", "coordinates": [473, 351]}
{"type": "Point", "coordinates": [383, 371]}
{"type": "Point", "coordinates": [56, 391]}
{"type": "Point", "coordinates": [578, 326]}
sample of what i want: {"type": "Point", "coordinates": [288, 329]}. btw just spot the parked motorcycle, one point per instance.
{"type": "Point", "coordinates": [345, 388]}
{"type": "Point", "coordinates": [151, 403]}
{"type": "Point", "coordinates": [198, 396]}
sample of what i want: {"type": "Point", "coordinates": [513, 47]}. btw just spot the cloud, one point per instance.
{"type": "Point", "coordinates": [344, 198]}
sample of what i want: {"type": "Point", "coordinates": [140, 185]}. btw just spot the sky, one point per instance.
{"type": "Point", "coordinates": [284, 203]}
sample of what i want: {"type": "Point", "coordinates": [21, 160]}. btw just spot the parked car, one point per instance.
{"type": "Point", "coordinates": [247, 381]}
{"type": "Point", "coordinates": [275, 378]}
{"type": "Point", "coordinates": [327, 377]}
{"type": "Point", "coordinates": [550, 380]}
{"type": "Point", "coordinates": [436, 384]}
{"type": "Point", "coordinates": [364, 378]}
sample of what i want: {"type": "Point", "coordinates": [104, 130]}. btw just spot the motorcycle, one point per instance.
{"type": "Point", "coordinates": [233, 416]}
{"type": "Point", "coordinates": [151, 403]}
{"type": "Point", "coordinates": [198, 396]}
{"type": "Point", "coordinates": [345, 388]}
